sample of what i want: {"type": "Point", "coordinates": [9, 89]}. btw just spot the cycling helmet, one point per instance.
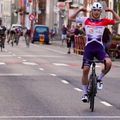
{"type": "Point", "coordinates": [96, 5]}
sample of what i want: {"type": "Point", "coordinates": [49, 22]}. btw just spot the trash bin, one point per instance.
{"type": "Point", "coordinates": [42, 39]}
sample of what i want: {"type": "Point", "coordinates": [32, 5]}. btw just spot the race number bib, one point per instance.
{"type": "Point", "coordinates": [94, 31]}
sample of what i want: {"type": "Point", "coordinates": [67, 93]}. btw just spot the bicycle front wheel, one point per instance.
{"type": "Point", "coordinates": [93, 91]}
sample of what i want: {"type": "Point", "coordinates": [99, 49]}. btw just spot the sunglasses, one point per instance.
{"type": "Point", "coordinates": [96, 10]}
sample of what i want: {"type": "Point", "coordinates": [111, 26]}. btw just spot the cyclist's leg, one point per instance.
{"type": "Point", "coordinates": [8, 38]}
{"type": "Point", "coordinates": [85, 83]}
{"type": "Point", "coordinates": [107, 65]}
{"type": "Point", "coordinates": [4, 37]}
{"type": "Point", "coordinates": [27, 40]}
{"type": "Point", "coordinates": [62, 38]}
{"type": "Point", "coordinates": [106, 68]}
{"type": "Point", "coordinates": [86, 68]}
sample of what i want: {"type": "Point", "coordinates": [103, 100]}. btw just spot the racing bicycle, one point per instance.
{"type": "Point", "coordinates": [2, 42]}
{"type": "Point", "coordinates": [92, 89]}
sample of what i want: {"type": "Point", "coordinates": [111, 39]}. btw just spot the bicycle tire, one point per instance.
{"type": "Point", "coordinates": [93, 91]}
{"type": "Point", "coordinates": [1, 47]}
{"type": "Point", "coordinates": [27, 41]}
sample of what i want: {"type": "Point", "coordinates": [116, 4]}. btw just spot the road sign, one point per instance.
{"type": "Point", "coordinates": [31, 17]}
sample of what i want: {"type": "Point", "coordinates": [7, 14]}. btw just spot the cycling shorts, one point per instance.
{"type": "Point", "coordinates": [93, 50]}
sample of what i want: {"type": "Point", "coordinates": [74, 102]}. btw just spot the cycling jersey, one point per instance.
{"type": "Point", "coordinates": [94, 30]}
{"type": "Point", "coordinates": [2, 30]}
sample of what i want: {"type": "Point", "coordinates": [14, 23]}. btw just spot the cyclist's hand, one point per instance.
{"type": "Point", "coordinates": [108, 10]}
{"type": "Point", "coordinates": [83, 9]}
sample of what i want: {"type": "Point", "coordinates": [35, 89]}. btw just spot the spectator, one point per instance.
{"type": "Point", "coordinates": [70, 38]}
{"type": "Point", "coordinates": [64, 33]}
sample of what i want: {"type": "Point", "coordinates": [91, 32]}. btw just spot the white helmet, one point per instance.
{"type": "Point", "coordinates": [96, 5]}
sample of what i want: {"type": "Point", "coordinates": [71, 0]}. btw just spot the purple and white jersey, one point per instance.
{"type": "Point", "coordinates": [94, 28]}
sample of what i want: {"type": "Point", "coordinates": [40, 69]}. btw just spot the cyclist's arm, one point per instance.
{"type": "Point", "coordinates": [115, 15]}
{"type": "Point", "coordinates": [73, 17]}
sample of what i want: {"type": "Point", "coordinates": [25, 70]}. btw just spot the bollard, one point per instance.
{"type": "Point", "coordinates": [42, 39]}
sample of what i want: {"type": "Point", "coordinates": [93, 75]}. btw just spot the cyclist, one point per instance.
{"type": "Point", "coordinates": [2, 32]}
{"type": "Point", "coordinates": [27, 36]}
{"type": "Point", "coordinates": [94, 28]}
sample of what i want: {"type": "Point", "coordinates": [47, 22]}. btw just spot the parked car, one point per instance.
{"type": "Point", "coordinates": [40, 30]}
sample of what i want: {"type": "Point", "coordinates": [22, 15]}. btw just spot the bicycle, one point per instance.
{"type": "Point", "coordinates": [27, 40]}
{"type": "Point", "coordinates": [2, 42]}
{"type": "Point", "coordinates": [92, 89]}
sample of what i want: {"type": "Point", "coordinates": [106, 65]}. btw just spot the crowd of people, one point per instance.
{"type": "Point", "coordinates": [68, 33]}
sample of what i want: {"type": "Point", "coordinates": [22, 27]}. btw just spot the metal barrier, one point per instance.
{"type": "Point", "coordinates": [79, 44]}
{"type": "Point", "coordinates": [114, 50]}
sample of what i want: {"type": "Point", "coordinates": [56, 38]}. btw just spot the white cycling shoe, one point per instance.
{"type": "Point", "coordinates": [99, 85]}
{"type": "Point", "coordinates": [85, 98]}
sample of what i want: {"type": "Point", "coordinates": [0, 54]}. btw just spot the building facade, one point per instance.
{"type": "Point", "coordinates": [6, 12]}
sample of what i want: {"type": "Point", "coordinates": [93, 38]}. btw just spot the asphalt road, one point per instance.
{"type": "Point", "coordinates": [43, 82]}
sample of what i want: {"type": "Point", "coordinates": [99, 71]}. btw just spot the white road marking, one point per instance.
{"type": "Point", "coordinates": [53, 75]}
{"type": "Point", "coordinates": [6, 55]}
{"type": "Point", "coordinates": [105, 103]}
{"type": "Point", "coordinates": [19, 57]}
{"type": "Point", "coordinates": [44, 56]}
{"type": "Point", "coordinates": [78, 89]}
{"type": "Point", "coordinates": [12, 74]}
{"type": "Point", "coordinates": [57, 51]}
{"type": "Point", "coordinates": [2, 63]}
{"type": "Point", "coordinates": [60, 117]}
{"type": "Point", "coordinates": [29, 63]}
{"type": "Point", "coordinates": [41, 69]}
{"type": "Point", "coordinates": [60, 64]}
{"type": "Point", "coordinates": [64, 81]}
{"type": "Point", "coordinates": [24, 60]}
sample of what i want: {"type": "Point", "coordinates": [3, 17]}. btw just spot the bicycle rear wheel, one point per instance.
{"type": "Point", "coordinates": [93, 91]}
{"type": "Point", "coordinates": [27, 41]}
{"type": "Point", "coordinates": [1, 47]}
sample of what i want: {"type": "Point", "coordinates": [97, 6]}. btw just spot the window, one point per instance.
{"type": "Point", "coordinates": [41, 29]}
